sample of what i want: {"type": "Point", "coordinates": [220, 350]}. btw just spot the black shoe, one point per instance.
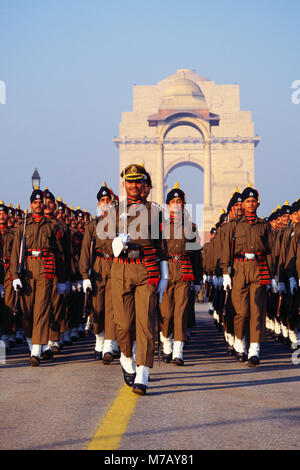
{"type": "Point", "coordinates": [108, 358]}
{"type": "Point", "coordinates": [128, 378]}
{"type": "Point", "coordinates": [56, 349]}
{"type": "Point", "coordinates": [139, 389]}
{"type": "Point", "coordinates": [177, 361]}
{"type": "Point", "coordinates": [253, 361]}
{"type": "Point", "coordinates": [11, 343]}
{"type": "Point", "coordinates": [47, 355]}
{"type": "Point", "coordinates": [116, 354]}
{"type": "Point", "coordinates": [98, 355]}
{"type": "Point", "coordinates": [240, 357]}
{"type": "Point", "coordinates": [167, 357]}
{"type": "Point", "coordinates": [34, 361]}
{"type": "Point", "coordinates": [230, 351]}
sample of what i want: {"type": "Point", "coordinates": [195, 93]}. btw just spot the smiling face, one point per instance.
{"type": "Point", "coordinates": [134, 189]}
{"type": "Point", "coordinates": [3, 218]}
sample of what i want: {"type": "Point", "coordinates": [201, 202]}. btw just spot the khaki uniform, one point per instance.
{"type": "Point", "coordinates": [100, 277]}
{"type": "Point", "coordinates": [248, 295]}
{"type": "Point", "coordinates": [175, 301]}
{"type": "Point", "coordinates": [134, 299]}
{"type": "Point", "coordinates": [36, 294]}
{"type": "Point", "coordinates": [6, 242]}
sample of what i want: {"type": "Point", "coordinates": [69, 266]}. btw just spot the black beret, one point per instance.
{"type": "Point", "coordinates": [286, 209]}
{"type": "Point", "coordinates": [250, 192]}
{"type": "Point", "coordinates": [175, 192]}
{"type": "Point", "coordinates": [61, 206]}
{"type": "Point", "coordinates": [3, 207]}
{"type": "Point", "coordinates": [49, 195]}
{"type": "Point", "coordinates": [222, 218]}
{"type": "Point", "coordinates": [36, 194]}
{"type": "Point", "coordinates": [103, 191]}
{"type": "Point", "coordinates": [213, 230]}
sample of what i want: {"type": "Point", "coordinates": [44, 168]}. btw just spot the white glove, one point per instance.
{"type": "Point", "coordinates": [87, 285]}
{"type": "Point", "coordinates": [220, 282]}
{"type": "Point", "coordinates": [282, 288]}
{"type": "Point", "coordinates": [68, 287]}
{"type": "Point", "coordinates": [274, 286]}
{"type": "Point", "coordinates": [2, 291]}
{"type": "Point", "coordinates": [164, 278]}
{"type": "Point", "coordinates": [119, 243]}
{"type": "Point", "coordinates": [197, 288]}
{"type": "Point", "coordinates": [293, 285]}
{"type": "Point", "coordinates": [74, 286]}
{"type": "Point", "coordinates": [227, 285]}
{"type": "Point", "coordinates": [204, 278]}
{"type": "Point", "coordinates": [17, 284]}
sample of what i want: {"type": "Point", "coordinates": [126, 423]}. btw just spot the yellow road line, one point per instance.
{"type": "Point", "coordinates": [115, 422]}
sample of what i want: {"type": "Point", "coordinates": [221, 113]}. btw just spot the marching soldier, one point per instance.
{"type": "Point", "coordinates": [6, 289]}
{"type": "Point", "coordinates": [95, 268]}
{"type": "Point", "coordinates": [185, 266]}
{"type": "Point", "coordinates": [139, 273]}
{"type": "Point", "coordinates": [42, 262]}
{"type": "Point", "coordinates": [253, 270]}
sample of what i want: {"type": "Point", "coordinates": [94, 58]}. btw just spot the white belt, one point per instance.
{"type": "Point", "coordinates": [250, 255]}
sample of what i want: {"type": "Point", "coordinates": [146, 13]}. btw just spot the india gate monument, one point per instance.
{"type": "Point", "coordinates": [187, 119]}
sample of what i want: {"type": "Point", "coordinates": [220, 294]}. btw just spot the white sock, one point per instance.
{"type": "Point", "coordinates": [36, 350]}
{"type": "Point", "coordinates": [47, 347]}
{"type": "Point", "coordinates": [277, 328]}
{"type": "Point", "coordinates": [239, 345]}
{"type": "Point", "coordinates": [128, 364]}
{"type": "Point", "coordinates": [230, 339]}
{"type": "Point", "coordinates": [254, 350]}
{"type": "Point", "coordinates": [285, 331]}
{"type": "Point", "coordinates": [167, 344]}
{"type": "Point", "coordinates": [142, 375]}
{"type": "Point", "coordinates": [99, 342]}
{"type": "Point", "coordinates": [178, 349]}
{"type": "Point", "coordinates": [271, 325]}
{"type": "Point", "coordinates": [115, 345]}
{"type": "Point", "coordinates": [108, 346]}
{"type": "Point", "coordinates": [210, 306]}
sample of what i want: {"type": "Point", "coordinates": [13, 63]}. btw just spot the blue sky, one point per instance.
{"type": "Point", "coordinates": [69, 67]}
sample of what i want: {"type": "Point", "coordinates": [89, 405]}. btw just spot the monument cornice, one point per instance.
{"type": "Point", "coordinates": [185, 140]}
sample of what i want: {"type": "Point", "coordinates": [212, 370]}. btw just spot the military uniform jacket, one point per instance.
{"type": "Point", "coordinates": [248, 238]}
{"type": "Point", "coordinates": [102, 245]}
{"type": "Point", "coordinates": [144, 234]}
{"type": "Point", "coordinates": [292, 265]}
{"type": "Point", "coordinates": [6, 243]}
{"type": "Point", "coordinates": [284, 248]}
{"type": "Point", "coordinates": [43, 236]}
{"type": "Point", "coordinates": [177, 244]}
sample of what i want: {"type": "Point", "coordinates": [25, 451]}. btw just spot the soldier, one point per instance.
{"type": "Point", "coordinates": [207, 260]}
{"type": "Point", "coordinates": [139, 272]}
{"type": "Point", "coordinates": [253, 270]}
{"type": "Point", "coordinates": [42, 262]}
{"type": "Point", "coordinates": [185, 266]}
{"type": "Point", "coordinates": [95, 268]}
{"type": "Point", "coordinates": [6, 289]}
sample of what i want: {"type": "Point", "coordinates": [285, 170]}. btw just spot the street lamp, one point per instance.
{"type": "Point", "coordinates": [36, 179]}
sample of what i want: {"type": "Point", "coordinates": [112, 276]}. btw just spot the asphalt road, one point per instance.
{"type": "Point", "coordinates": [212, 402]}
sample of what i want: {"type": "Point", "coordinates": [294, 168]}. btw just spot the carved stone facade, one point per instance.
{"type": "Point", "coordinates": [187, 118]}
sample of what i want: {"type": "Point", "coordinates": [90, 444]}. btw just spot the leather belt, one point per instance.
{"type": "Point", "coordinates": [34, 254]}
{"type": "Point", "coordinates": [105, 256]}
{"type": "Point", "coordinates": [246, 256]}
{"type": "Point", "coordinates": [175, 257]}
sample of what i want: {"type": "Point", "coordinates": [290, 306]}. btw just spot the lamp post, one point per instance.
{"type": "Point", "coordinates": [36, 179]}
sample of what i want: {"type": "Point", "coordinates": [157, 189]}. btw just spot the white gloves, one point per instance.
{"type": "Point", "coordinates": [87, 285]}
{"type": "Point", "coordinates": [274, 286]}
{"type": "Point", "coordinates": [293, 285]}
{"type": "Point", "coordinates": [227, 285]}
{"type": "Point", "coordinates": [164, 277]}
{"type": "Point", "coordinates": [204, 278]}
{"type": "Point", "coordinates": [17, 284]}
{"type": "Point", "coordinates": [2, 291]}
{"type": "Point", "coordinates": [61, 288]}
{"type": "Point", "coordinates": [119, 243]}
{"type": "Point", "coordinates": [282, 288]}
